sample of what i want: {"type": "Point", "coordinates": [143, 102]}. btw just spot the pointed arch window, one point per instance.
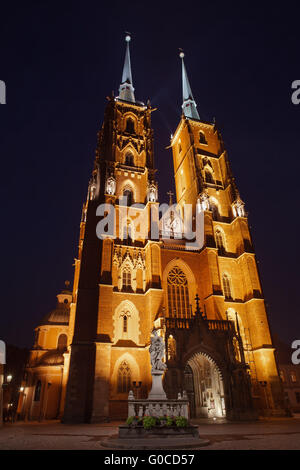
{"type": "Point", "coordinates": [178, 294]}
{"type": "Point", "coordinates": [129, 159]}
{"type": "Point", "coordinates": [124, 378]}
{"type": "Point", "coordinates": [130, 126]}
{"type": "Point", "coordinates": [127, 197]}
{"type": "Point", "coordinates": [226, 287]}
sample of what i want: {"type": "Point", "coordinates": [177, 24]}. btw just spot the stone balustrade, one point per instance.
{"type": "Point", "coordinates": [158, 408]}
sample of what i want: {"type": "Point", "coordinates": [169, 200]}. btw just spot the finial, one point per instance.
{"type": "Point", "coordinates": [181, 53]}
{"type": "Point", "coordinates": [128, 36]}
{"type": "Point", "coordinates": [67, 283]}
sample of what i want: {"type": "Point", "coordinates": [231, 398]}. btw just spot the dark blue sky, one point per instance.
{"type": "Point", "coordinates": [61, 59]}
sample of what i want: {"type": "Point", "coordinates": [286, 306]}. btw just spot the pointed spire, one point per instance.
{"type": "Point", "coordinates": [189, 106]}
{"type": "Point", "coordinates": [126, 90]}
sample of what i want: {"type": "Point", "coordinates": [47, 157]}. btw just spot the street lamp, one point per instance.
{"type": "Point", "coordinates": [9, 378]}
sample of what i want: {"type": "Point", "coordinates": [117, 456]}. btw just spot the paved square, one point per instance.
{"type": "Point", "coordinates": [279, 433]}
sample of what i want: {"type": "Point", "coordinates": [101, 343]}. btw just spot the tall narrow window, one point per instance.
{"type": "Point", "coordinates": [124, 378]}
{"type": "Point", "coordinates": [125, 320]}
{"type": "Point", "coordinates": [178, 294]}
{"type": "Point", "coordinates": [37, 392]}
{"type": "Point", "coordinates": [126, 277]}
{"type": "Point", "coordinates": [129, 159]}
{"type": "Point", "coordinates": [127, 193]}
{"type": "Point", "coordinates": [226, 287]}
{"type": "Point", "coordinates": [130, 126]}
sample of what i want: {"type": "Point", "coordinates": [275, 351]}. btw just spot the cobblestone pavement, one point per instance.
{"type": "Point", "coordinates": [279, 433]}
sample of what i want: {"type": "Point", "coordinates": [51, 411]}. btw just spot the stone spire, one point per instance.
{"type": "Point", "coordinates": [189, 106]}
{"type": "Point", "coordinates": [126, 90]}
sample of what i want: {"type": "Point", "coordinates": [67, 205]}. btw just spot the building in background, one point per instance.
{"type": "Point", "coordinates": [43, 385]}
{"type": "Point", "coordinates": [289, 374]}
{"type": "Point", "coordinates": [206, 301]}
{"type": "Point", "coordinates": [12, 377]}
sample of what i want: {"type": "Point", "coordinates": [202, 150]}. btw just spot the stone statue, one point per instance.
{"type": "Point", "coordinates": [157, 351]}
{"type": "Point", "coordinates": [110, 185]}
{"type": "Point", "coordinates": [152, 193]}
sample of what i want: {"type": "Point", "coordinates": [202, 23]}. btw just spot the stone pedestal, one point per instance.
{"type": "Point", "coordinates": [157, 391]}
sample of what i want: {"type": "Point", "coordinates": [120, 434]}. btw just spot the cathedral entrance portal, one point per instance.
{"type": "Point", "coordinates": [204, 386]}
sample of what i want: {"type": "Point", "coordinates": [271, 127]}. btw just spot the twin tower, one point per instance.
{"type": "Point", "coordinates": [206, 302]}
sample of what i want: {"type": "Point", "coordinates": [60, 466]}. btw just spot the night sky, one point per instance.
{"type": "Point", "coordinates": [60, 60]}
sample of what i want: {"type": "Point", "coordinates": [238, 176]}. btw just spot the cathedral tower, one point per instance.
{"type": "Point", "coordinates": [117, 283]}
{"type": "Point", "coordinates": [230, 286]}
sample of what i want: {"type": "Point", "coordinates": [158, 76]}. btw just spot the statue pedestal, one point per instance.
{"type": "Point", "coordinates": [157, 391]}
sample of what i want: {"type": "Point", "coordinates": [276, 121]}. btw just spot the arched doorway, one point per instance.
{"type": "Point", "coordinates": [205, 388]}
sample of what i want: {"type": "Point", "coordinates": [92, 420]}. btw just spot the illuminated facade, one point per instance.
{"type": "Point", "coordinates": [207, 302]}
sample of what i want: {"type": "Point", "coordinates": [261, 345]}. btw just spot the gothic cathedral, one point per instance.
{"type": "Point", "coordinates": [205, 300]}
